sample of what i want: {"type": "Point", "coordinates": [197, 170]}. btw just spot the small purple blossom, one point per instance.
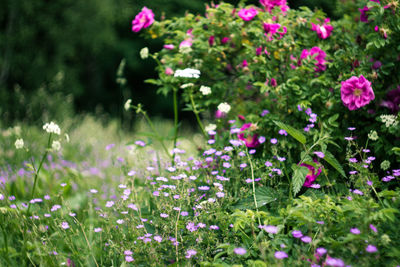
{"type": "Point", "coordinates": [280, 255]}
{"type": "Point", "coordinates": [355, 231]}
{"type": "Point", "coordinates": [239, 251]}
{"type": "Point", "coordinates": [306, 239]}
{"type": "Point", "coordinates": [297, 233]}
{"type": "Point", "coordinates": [371, 249]}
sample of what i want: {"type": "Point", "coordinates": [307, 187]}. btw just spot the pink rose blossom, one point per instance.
{"type": "Point", "coordinates": [169, 46]}
{"type": "Point", "coordinates": [247, 14]}
{"type": "Point", "coordinates": [356, 92]}
{"type": "Point", "coordinates": [324, 30]}
{"type": "Point", "coordinates": [317, 54]}
{"type": "Point", "coordinates": [270, 4]}
{"type": "Point", "coordinates": [250, 140]}
{"type": "Point", "coordinates": [272, 28]}
{"type": "Point", "coordinates": [363, 14]}
{"type": "Point", "coordinates": [169, 71]}
{"type": "Point", "coordinates": [143, 20]}
{"type": "Point", "coordinates": [312, 174]}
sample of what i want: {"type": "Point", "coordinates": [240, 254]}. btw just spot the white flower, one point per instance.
{"type": "Point", "coordinates": [52, 128]}
{"type": "Point", "coordinates": [389, 120]}
{"type": "Point", "coordinates": [19, 143]}
{"type": "Point", "coordinates": [373, 135]}
{"type": "Point", "coordinates": [144, 53]}
{"type": "Point", "coordinates": [224, 107]}
{"type": "Point", "coordinates": [56, 145]}
{"type": "Point", "coordinates": [185, 49]}
{"type": "Point", "coordinates": [127, 104]}
{"type": "Point", "coordinates": [210, 127]}
{"type": "Point", "coordinates": [187, 73]}
{"type": "Point", "coordinates": [183, 86]}
{"type": "Point", "coordinates": [205, 90]}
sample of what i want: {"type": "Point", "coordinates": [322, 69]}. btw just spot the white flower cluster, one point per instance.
{"type": "Point", "coordinates": [144, 53]}
{"type": "Point", "coordinates": [187, 73]}
{"type": "Point", "coordinates": [205, 90]}
{"type": "Point", "coordinates": [127, 104]}
{"type": "Point", "coordinates": [224, 107]}
{"type": "Point", "coordinates": [19, 143]}
{"type": "Point", "coordinates": [389, 120]}
{"type": "Point", "coordinates": [56, 145]}
{"type": "Point", "coordinates": [52, 128]}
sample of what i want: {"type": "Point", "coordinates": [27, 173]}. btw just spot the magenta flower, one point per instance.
{"type": "Point", "coordinates": [211, 40]}
{"type": "Point", "coordinates": [250, 140]}
{"type": "Point", "coordinates": [143, 20]}
{"type": "Point", "coordinates": [355, 231]}
{"type": "Point", "coordinates": [247, 14]}
{"type": "Point", "coordinates": [270, 4]}
{"type": "Point", "coordinates": [297, 234]}
{"type": "Point", "coordinates": [317, 54]}
{"type": "Point", "coordinates": [272, 28]}
{"type": "Point", "coordinates": [356, 92]}
{"type": "Point", "coordinates": [312, 174]}
{"type": "Point", "coordinates": [363, 14]}
{"type": "Point", "coordinates": [324, 30]}
{"type": "Point", "coordinates": [169, 46]}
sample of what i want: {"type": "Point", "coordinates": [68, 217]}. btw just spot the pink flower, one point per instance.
{"type": "Point", "coordinates": [323, 31]}
{"type": "Point", "coordinates": [143, 20]}
{"type": "Point", "coordinates": [225, 40]}
{"type": "Point", "coordinates": [186, 43]}
{"type": "Point", "coordinates": [247, 14]}
{"type": "Point", "coordinates": [250, 140]}
{"type": "Point", "coordinates": [270, 4]}
{"type": "Point", "coordinates": [169, 71]}
{"type": "Point", "coordinates": [169, 46]}
{"type": "Point", "coordinates": [356, 92]}
{"type": "Point", "coordinates": [272, 28]}
{"type": "Point", "coordinates": [312, 174]}
{"type": "Point", "coordinates": [317, 54]}
{"type": "Point", "coordinates": [211, 40]}
{"type": "Point", "coordinates": [363, 14]}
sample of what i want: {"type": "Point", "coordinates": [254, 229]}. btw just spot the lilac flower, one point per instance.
{"type": "Point", "coordinates": [158, 238]}
{"type": "Point", "coordinates": [373, 228]}
{"type": "Point", "coordinates": [109, 204]}
{"type": "Point", "coordinates": [274, 141]}
{"type": "Point", "coordinates": [55, 207]}
{"type": "Point", "coordinates": [353, 160]}
{"type": "Point", "coordinates": [108, 147]}
{"type": "Point", "coordinates": [334, 262]}
{"type": "Point", "coordinates": [371, 249]}
{"type": "Point", "coordinates": [190, 253]}
{"type": "Point", "coordinates": [128, 252]}
{"type": "Point", "coordinates": [268, 164]}
{"type": "Point", "coordinates": [214, 227]}
{"type": "Point", "coordinates": [120, 221]}
{"type": "Point", "coordinates": [191, 227]}
{"type": "Point", "coordinates": [321, 251]}
{"type": "Point", "coordinates": [358, 192]}
{"type": "Point", "coordinates": [271, 229]}
{"type": "Point", "coordinates": [164, 215]}
{"type": "Point", "coordinates": [280, 255]}
{"type": "Point", "coordinates": [355, 231]}
{"type": "Point", "coordinates": [297, 233]}
{"type": "Point", "coordinates": [353, 172]}
{"type": "Point", "coordinates": [203, 188]}
{"type": "Point", "coordinates": [261, 139]}
{"type": "Point", "coordinates": [240, 251]}
{"type": "Point", "coordinates": [306, 239]}
{"type": "Point", "coordinates": [93, 191]}
{"type": "Point", "coordinates": [220, 194]}
{"type": "Point", "coordinates": [129, 258]}
{"type": "Point", "coordinates": [64, 225]}
{"type": "Point", "coordinates": [283, 132]}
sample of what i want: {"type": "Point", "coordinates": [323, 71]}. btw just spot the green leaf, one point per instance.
{"type": "Point", "coordinates": [299, 177]}
{"type": "Point", "coordinates": [265, 195]}
{"type": "Point", "coordinates": [153, 81]}
{"type": "Point", "coordinates": [334, 163]}
{"type": "Point", "coordinates": [296, 134]}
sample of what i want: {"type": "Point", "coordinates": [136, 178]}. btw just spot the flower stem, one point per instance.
{"type": "Point", "coordinates": [254, 185]}
{"type": "Point", "coordinates": [175, 91]}
{"type": "Point", "coordinates": [196, 113]}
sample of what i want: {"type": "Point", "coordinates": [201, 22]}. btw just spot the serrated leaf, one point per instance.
{"type": "Point", "coordinates": [296, 134]}
{"type": "Point", "coordinates": [334, 163]}
{"type": "Point", "coordinates": [265, 195]}
{"type": "Point", "coordinates": [299, 177]}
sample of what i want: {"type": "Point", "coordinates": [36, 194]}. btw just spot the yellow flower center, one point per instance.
{"type": "Point", "coordinates": [357, 92]}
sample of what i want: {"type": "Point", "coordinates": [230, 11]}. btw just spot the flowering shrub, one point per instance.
{"type": "Point", "coordinates": [299, 165]}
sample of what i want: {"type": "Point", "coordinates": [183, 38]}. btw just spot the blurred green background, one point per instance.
{"type": "Point", "coordinates": [60, 57]}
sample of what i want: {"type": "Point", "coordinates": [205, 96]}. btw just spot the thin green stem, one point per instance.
{"type": "Point", "coordinates": [254, 185]}
{"type": "Point", "coordinates": [155, 132]}
{"type": "Point", "coordinates": [175, 95]}
{"type": "Point", "coordinates": [37, 173]}
{"type": "Point", "coordinates": [5, 242]}
{"type": "Point", "coordinates": [196, 113]}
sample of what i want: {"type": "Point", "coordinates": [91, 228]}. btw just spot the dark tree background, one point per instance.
{"type": "Point", "coordinates": [60, 57]}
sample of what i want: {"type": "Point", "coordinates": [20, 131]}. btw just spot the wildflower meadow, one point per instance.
{"type": "Point", "coordinates": [293, 157]}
